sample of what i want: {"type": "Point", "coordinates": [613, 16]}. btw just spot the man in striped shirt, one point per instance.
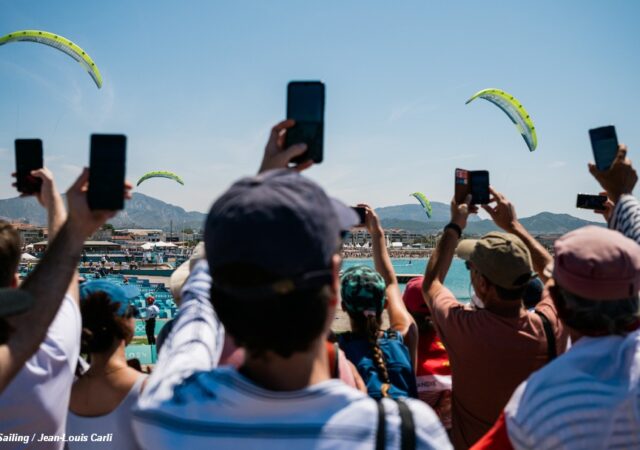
{"type": "Point", "coordinates": [272, 245]}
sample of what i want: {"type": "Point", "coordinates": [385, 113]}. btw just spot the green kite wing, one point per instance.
{"type": "Point", "coordinates": [424, 202]}
{"type": "Point", "coordinates": [160, 174]}
{"type": "Point", "coordinates": [57, 42]}
{"type": "Point", "coordinates": [514, 110]}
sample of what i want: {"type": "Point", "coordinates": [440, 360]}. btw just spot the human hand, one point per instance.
{"type": "Point", "coordinates": [504, 213]}
{"type": "Point", "coordinates": [608, 208]}
{"type": "Point", "coordinates": [619, 179]}
{"type": "Point", "coordinates": [460, 212]}
{"type": "Point", "coordinates": [276, 156]}
{"type": "Point", "coordinates": [48, 194]}
{"type": "Point", "coordinates": [371, 220]}
{"type": "Point", "coordinates": [84, 220]}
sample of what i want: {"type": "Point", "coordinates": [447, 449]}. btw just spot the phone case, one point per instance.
{"type": "Point", "coordinates": [462, 186]}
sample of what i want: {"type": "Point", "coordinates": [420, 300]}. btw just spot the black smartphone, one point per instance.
{"type": "Point", "coordinates": [107, 171]}
{"type": "Point", "coordinates": [586, 201]}
{"type": "Point", "coordinates": [479, 187]}
{"type": "Point", "coordinates": [604, 143]}
{"type": "Point", "coordinates": [28, 158]}
{"type": "Point", "coordinates": [305, 105]}
{"type": "Point", "coordinates": [362, 214]}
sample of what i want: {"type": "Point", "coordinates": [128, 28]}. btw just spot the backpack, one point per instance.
{"type": "Point", "coordinates": [397, 360]}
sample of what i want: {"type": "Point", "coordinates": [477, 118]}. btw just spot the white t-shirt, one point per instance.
{"type": "Point", "coordinates": [37, 400]}
{"type": "Point", "coordinates": [152, 312]}
{"type": "Point", "coordinates": [187, 404]}
{"type": "Point", "coordinates": [588, 398]}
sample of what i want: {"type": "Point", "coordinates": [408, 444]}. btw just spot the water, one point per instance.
{"type": "Point", "coordinates": [457, 279]}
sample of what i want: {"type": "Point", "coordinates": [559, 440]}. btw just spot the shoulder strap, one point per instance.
{"type": "Point", "coordinates": [407, 427]}
{"type": "Point", "coordinates": [381, 434]}
{"type": "Point", "coordinates": [332, 350]}
{"type": "Point", "coordinates": [551, 337]}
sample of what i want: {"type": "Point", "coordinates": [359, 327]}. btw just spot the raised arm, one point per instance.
{"type": "Point", "coordinates": [49, 282]}
{"type": "Point", "coordinates": [618, 182]}
{"type": "Point", "coordinates": [504, 216]}
{"type": "Point", "coordinates": [440, 260]}
{"type": "Point", "coordinates": [399, 318]}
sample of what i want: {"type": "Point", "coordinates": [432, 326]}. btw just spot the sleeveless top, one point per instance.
{"type": "Point", "coordinates": [396, 358]}
{"type": "Point", "coordinates": [108, 431]}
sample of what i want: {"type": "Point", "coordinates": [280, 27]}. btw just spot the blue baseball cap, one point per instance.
{"type": "Point", "coordinates": [279, 221]}
{"type": "Point", "coordinates": [115, 293]}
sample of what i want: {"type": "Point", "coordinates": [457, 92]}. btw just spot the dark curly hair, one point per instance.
{"type": "Point", "coordinates": [101, 324]}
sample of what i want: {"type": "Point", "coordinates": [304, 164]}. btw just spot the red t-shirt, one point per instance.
{"type": "Point", "coordinates": [433, 375]}
{"type": "Point", "coordinates": [490, 356]}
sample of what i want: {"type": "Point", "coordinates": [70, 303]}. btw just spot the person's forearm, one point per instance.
{"type": "Point", "coordinates": [48, 284]}
{"type": "Point", "coordinates": [441, 258]}
{"type": "Point", "coordinates": [625, 217]}
{"type": "Point", "coordinates": [381, 258]}
{"type": "Point", "coordinates": [540, 257]}
{"type": "Point", "coordinates": [57, 215]}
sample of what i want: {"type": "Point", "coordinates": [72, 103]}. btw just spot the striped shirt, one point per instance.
{"type": "Point", "coordinates": [588, 398]}
{"type": "Point", "coordinates": [626, 217]}
{"type": "Point", "coordinates": [188, 405]}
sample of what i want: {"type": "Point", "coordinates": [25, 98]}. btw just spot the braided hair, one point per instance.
{"type": "Point", "coordinates": [372, 329]}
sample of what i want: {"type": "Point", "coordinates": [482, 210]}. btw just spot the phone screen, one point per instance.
{"type": "Point", "coordinates": [305, 105]}
{"type": "Point", "coordinates": [28, 158]}
{"type": "Point", "coordinates": [107, 171]}
{"type": "Point", "coordinates": [604, 143]}
{"type": "Point", "coordinates": [479, 187]}
{"type": "Point", "coordinates": [586, 201]}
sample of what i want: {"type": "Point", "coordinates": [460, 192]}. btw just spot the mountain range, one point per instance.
{"type": "Point", "coordinates": [143, 211]}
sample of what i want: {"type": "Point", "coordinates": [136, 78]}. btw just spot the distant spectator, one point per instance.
{"type": "Point", "coordinates": [278, 301]}
{"type": "Point", "coordinates": [152, 312]}
{"type": "Point", "coordinates": [497, 344]}
{"type": "Point", "coordinates": [102, 398]}
{"type": "Point", "coordinates": [433, 368]}
{"type": "Point", "coordinates": [590, 397]}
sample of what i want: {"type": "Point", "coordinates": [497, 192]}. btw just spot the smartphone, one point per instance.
{"type": "Point", "coordinates": [107, 171]}
{"type": "Point", "coordinates": [28, 158]}
{"type": "Point", "coordinates": [474, 182]}
{"type": "Point", "coordinates": [586, 201]}
{"type": "Point", "coordinates": [479, 187]}
{"type": "Point", "coordinates": [604, 143]}
{"type": "Point", "coordinates": [362, 214]}
{"type": "Point", "coordinates": [305, 105]}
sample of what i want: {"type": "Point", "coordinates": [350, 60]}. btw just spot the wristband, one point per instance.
{"type": "Point", "coordinates": [454, 227]}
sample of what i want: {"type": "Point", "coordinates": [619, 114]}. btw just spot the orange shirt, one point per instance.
{"type": "Point", "coordinates": [490, 356]}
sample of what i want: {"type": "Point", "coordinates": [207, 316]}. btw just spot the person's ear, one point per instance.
{"type": "Point", "coordinates": [336, 263]}
{"type": "Point", "coordinates": [15, 281]}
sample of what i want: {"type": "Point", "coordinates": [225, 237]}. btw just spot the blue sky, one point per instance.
{"type": "Point", "coordinates": [197, 85]}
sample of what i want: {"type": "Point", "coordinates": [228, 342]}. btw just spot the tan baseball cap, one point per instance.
{"type": "Point", "coordinates": [501, 257]}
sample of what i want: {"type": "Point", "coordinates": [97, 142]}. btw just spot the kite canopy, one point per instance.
{"type": "Point", "coordinates": [160, 174]}
{"type": "Point", "coordinates": [426, 204]}
{"type": "Point", "coordinates": [514, 109]}
{"type": "Point", "coordinates": [59, 43]}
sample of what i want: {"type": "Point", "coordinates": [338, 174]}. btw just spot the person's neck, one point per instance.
{"type": "Point", "coordinates": [109, 361]}
{"type": "Point", "coordinates": [300, 370]}
{"type": "Point", "coordinates": [506, 308]}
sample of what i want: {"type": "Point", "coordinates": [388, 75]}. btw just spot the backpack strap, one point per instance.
{"type": "Point", "coordinates": [333, 351]}
{"type": "Point", "coordinates": [551, 337]}
{"type": "Point", "coordinates": [381, 433]}
{"type": "Point", "coordinates": [407, 427]}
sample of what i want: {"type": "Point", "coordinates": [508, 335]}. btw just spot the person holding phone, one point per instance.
{"type": "Point", "coordinates": [496, 344]}
{"type": "Point", "coordinates": [618, 181]}
{"type": "Point", "coordinates": [51, 327]}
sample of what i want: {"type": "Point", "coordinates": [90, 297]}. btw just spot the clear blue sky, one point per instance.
{"type": "Point", "coordinates": [196, 86]}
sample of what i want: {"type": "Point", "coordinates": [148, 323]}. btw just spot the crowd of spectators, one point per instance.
{"type": "Point", "coordinates": [250, 361]}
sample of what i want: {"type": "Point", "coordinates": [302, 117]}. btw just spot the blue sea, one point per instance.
{"type": "Point", "coordinates": [457, 279]}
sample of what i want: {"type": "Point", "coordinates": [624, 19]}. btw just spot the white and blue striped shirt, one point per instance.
{"type": "Point", "coordinates": [188, 405]}
{"type": "Point", "coordinates": [588, 398]}
{"type": "Point", "coordinates": [626, 217]}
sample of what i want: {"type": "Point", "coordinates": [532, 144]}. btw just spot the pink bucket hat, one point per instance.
{"type": "Point", "coordinates": [598, 264]}
{"type": "Point", "coordinates": [412, 297]}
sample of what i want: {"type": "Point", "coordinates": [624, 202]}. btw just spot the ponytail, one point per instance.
{"type": "Point", "coordinates": [372, 330]}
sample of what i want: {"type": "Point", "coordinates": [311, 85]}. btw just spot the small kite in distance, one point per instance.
{"type": "Point", "coordinates": [424, 202]}
{"type": "Point", "coordinates": [160, 174]}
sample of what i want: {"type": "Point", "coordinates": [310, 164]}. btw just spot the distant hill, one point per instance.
{"type": "Point", "coordinates": [542, 223]}
{"type": "Point", "coordinates": [141, 211]}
